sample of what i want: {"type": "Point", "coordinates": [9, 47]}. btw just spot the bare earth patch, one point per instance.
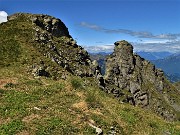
{"type": "Point", "coordinates": [68, 87]}
{"type": "Point", "coordinates": [3, 82]}
{"type": "Point", "coordinates": [97, 111]}
{"type": "Point", "coordinates": [31, 117]}
{"type": "Point", "coordinates": [24, 132]}
{"type": "Point", "coordinates": [81, 95]}
{"type": "Point", "coordinates": [81, 105]}
{"type": "Point", "coordinates": [4, 121]}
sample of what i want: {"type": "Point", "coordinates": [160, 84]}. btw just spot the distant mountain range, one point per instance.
{"type": "Point", "coordinates": [170, 65]}
{"type": "Point", "coordinates": [154, 55]}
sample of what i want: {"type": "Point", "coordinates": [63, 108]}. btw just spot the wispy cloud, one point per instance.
{"type": "Point", "coordinates": [100, 48]}
{"type": "Point", "coordinates": [139, 34]}
{"type": "Point", "coordinates": [99, 42]}
{"type": "Point", "coordinates": [3, 16]}
{"type": "Point", "coordinates": [148, 46]}
{"type": "Point", "coordinates": [169, 46]}
{"type": "Point", "coordinates": [91, 26]}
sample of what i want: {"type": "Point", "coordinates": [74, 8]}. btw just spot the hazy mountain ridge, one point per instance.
{"type": "Point", "coordinates": [146, 55]}
{"type": "Point", "coordinates": [171, 66]}
{"type": "Point", "coordinates": [154, 55]}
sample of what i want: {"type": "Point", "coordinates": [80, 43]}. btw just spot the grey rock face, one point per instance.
{"type": "Point", "coordinates": [52, 25]}
{"type": "Point", "coordinates": [39, 70]}
{"type": "Point", "coordinates": [135, 80]}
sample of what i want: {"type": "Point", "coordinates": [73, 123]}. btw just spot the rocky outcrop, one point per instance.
{"type": "Point", "coordinates": [135, 80]}
{"type": "Point", "coordinates": [51, 38]}
{"type": "Point", "coordinates": [51, 24]}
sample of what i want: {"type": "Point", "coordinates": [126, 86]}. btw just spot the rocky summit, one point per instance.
{"type": "Point", "coordinates": [135, 80]}
{"type": "Point", "coordinates": [51, 38]}
{"type": "Point", "coordinates": [49, 85]}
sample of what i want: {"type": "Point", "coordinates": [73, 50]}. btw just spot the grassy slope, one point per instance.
{"type": "Point", "coordinates": [44, 106]}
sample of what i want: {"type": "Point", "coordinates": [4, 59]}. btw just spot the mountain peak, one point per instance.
{"type": "Point", "coordinates": [135, 80]}
{"type": "Point", "coordinates": [123, 47]}
{"type": "Point", "coordinates": [51, 43]}
{"type": "Point", "coordinates": [122, 43]}
{"type": "Point", "coordinates": [51, 24]}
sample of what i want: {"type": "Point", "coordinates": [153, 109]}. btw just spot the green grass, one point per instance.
{"type": "Point", "coordinates": [57, 115]}
{"type": "Point", "coordinates": [9, 52]}
{"type": "Point", "coordinates": [54, 125]}
{"type": "Point", "coordinates": [76, 83]}
{"type": "Point", "coordinates": [92, 101]}
{"type": "Point", "coordinates": [12, 127]}
{"type": "Point", "coordinates": [15, 103]}
{"type": "Point", "coordinates": [129, 116]}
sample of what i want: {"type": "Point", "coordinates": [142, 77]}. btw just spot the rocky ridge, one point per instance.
{"type": "Point", "coordinates": [51, 37]}
{"type": "Point", "coordinates": [135, 80]}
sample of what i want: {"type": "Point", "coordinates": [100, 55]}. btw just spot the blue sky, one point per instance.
{"type": "Point", "coordinates": [150, 25]}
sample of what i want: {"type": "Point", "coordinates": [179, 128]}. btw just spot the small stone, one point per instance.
{"type": "Point", "coordinates": [36, 108]}
{"type": "Point", "coordinates": [47, 20]}
{"type": "Point", "coordinates": [98, 130]}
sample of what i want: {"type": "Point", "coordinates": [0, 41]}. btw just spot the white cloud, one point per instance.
{"type": "Point", "coordinates": [99, 48]}
{"type": "Point", "coordinates": [154, 41]}
{"type": "Point", "coordinates": [138, 34]}
{"type": "Point", "coordinates": [173, 47]}
{"type": "Point", "coordinates": [3, 16]}
{"type": "Point", "coordinates": [146, 46]}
